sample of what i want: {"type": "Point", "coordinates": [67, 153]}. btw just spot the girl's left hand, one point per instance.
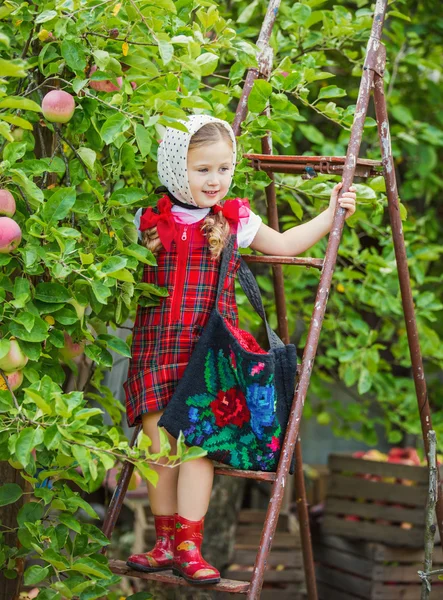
{"type": "Point", "coordinates": [348, 200]}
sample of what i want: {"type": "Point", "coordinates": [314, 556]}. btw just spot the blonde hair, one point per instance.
{"type": "Point", "coordinates": [215, 226]}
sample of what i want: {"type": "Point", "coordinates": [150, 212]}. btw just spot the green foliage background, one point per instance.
{"type": "Point", "coordinates": [77, 188]}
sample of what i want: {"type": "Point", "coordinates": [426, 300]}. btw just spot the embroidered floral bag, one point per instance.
{"type": "Point", "coordinates": [232, 402]}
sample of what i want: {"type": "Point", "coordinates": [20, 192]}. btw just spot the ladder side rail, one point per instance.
{"type": "Point", "coordinates": [321, 298]}
{"type": "Point", "coordinates": [119, 494]}
{"type": "Point", "coordinates": [283, 329]}
{"type": "Point", "coordinates": [404, 280]}
{"type": "Point", "coordinates": [264, 60]}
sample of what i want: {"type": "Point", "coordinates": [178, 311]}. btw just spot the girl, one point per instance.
{"type": "Point", "coordinates": [187, 230]}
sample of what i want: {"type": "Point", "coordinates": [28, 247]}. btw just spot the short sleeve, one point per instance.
{"type": "Point", "coordinates": [137, 218]}
{"type": "Point", "coordinates": [247, 231]}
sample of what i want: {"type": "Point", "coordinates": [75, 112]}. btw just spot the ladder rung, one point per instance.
{"type": "Point", "coordinates": [316, 263]}
{"type": "Point", "coordinates": [332, 165]}
{"type": "Point", "coordinates": [258, 475]}
{"type": "Point", "coordinates": [119, 567]}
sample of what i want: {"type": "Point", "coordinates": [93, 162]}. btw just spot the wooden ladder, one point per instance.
{"type": "Point", "coordinates": [348, 167]}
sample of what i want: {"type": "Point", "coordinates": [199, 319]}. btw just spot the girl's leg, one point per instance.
{"type": "Point", "coordinates": [162, 497]}
{"type": "Point", "coordinates": [163, 501]}
{"type": "Point", "coordinates": [194, 488]}
{"type": "Point", "coordinates": [193, 494]}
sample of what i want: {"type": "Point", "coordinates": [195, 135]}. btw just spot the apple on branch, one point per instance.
{"type": "Point", "coordinates": [10, 235]}
{"type": "Point", "coordinates": [14, 360]}
{"type": "Point", "coordinates": [58, 106]}
{"type": "Point", "coordinates": [7, 203]}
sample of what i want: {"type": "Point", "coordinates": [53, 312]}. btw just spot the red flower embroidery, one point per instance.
{"type": "Point", "coordinates": [230, 408]}
{"type": "Point", "coordinates": [275, 444]}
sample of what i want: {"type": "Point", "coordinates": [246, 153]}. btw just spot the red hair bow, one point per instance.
{"type": "Point", "coordinates": [234, 211]}
{"type": "Point", "coordinates": [163, 220]}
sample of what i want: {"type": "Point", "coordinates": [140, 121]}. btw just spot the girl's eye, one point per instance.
{"type": "Point", "coordinates": [202, 170]}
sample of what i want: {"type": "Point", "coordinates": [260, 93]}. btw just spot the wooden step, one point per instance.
{"type": "Point", "coordinates": [258, 475]}
{"type": "Point", "coordinates": [232, 586]}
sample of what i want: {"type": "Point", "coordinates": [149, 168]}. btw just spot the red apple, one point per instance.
{"type": "Point", "coordinates": [10, 235]}
{"type": "Point", "coordinates": [106, 85]}
{"type": "Point", "coordinates": [58, 106]}
{"type": "Point", "coordinates": [71, 349]}
{"type": "Point", "coordinates": [14, 360]}
{"type": "Point", "coordinates": [15, 379]}
{"type": "Point", "coordinates": [7, 203]}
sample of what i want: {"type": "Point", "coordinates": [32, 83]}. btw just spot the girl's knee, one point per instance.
{"type": "Point", "coordinates": [151, 429]}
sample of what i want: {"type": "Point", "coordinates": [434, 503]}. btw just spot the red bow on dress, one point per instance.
{"type": "Point", "coordinates": [233, 210]}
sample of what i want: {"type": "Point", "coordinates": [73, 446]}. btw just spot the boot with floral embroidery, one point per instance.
{"type": "Point", "coordinates": [188, 561]}
{"type": "Point", "coordinates": [161, 556]}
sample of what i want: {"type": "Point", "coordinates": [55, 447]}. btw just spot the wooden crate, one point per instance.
{"type": "Point", "coordinates": [354, 570]}
{"type": "Point", "coordinates": [376, 501]}
{"type": "Point", "coordinates": [284, 575]}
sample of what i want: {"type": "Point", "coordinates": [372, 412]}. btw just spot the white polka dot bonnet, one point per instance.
{"type": "Point", "coordinates": [173, 153]}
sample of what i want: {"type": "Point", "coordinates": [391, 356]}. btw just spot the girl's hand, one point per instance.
{"type": "Point", "coordinates": [348, 200]}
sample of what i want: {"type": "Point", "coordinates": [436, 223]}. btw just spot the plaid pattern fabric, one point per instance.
{"type": "Point", "coordinates": [164, 336]}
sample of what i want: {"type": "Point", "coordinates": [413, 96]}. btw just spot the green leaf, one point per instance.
{"type": "Point", "coordinates": [246, 14]}
{"type": "Point", "coordinates": [5, 344]}
{"type": "Point", "coordinates": [207, 62]}
{"type": "Point", "coordinates": [331, 91]}
{"type": "Point", "coordinates": [9, 68]}
{"type": "Point", "coordinates": [83, 457]}
{"type": "Point", "coordinates": [52, 292]}
{"type": "Point", "coordinates": [39, 401]}
{"type": "Point", "coordinates": [122, 275]}
{"type": "Point", "coordinates": [19, 102]}
{"type": "Point", "coordinates": [112, 264]}
{"type": "Point", "coordinates": [46, 15]}
{"type": "Point", "coordinates": [56, 559]}
{"type": "Point", "coordinates": [259, 95]}
{"type": "Point", "coordinates": [6, 133]}
{"type": "Point", "coordinates": [101, 291]}
{"type": "Point", "coordinates": [364, 381]}
{"type": "Point", "coordinates": [70, 522]}
{"type": "Point", "coordinates": [126, 196]}
{"type": "Point", "coordinates": [91, 567]}
{"type": "Point", "coordinates": [148, 472]}
{"type": "Point", "coordinates": [14, 151]}
{"type": "Point", "coordinates": [59, 205]}
{"type": "Point", "coordinates": [113, 127]}
{"type": "Point", "coordinates": [140, 253]}
{"type": "Point", "coordinates": [29, 187]}
{"type": "Point", "coordinates": [144, 141]}
{"type": "Point", "coordinates": [88, 156]}
{"type": "Point", "coordinates": [74, 55]}
{"type": "Point", "coordinates": [10, 493]}
{"type": "Point", "coordinates": [30, 513]}
{"type": "Point", "coordinates": [300, 13]}
{"type": "Point", "coordinates": [24, 445]}
{"type": "Point", "coordinates": [166, 50]}
{"type": "Point", "coordinates": [35, 574]}
{"type": "Point", "coordinates": [38, 333]}
{"type": "Point", "coordinates": [115, 343]}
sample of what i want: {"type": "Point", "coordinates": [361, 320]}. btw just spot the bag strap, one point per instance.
{"type": "Point", "coordinates": [250, 287]}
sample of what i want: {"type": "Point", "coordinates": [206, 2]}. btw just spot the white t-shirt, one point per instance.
{"type": "Point", "coordinates": [245, 234]}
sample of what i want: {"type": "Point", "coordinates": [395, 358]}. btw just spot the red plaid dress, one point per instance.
{"type": "Point", "coordinates": [164, 336]}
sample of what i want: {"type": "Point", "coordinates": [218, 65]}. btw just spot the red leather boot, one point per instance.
{"type": "Point", "coordinates": [161, 556]}
{"type": "Point", "coordinates": [188, 561]}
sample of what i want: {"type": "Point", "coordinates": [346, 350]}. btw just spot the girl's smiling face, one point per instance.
{"type": "Point", "coordinates": [209, 172]}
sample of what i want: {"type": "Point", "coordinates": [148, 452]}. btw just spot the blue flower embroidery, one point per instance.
{"type": "Point", "coordinates": [207, 427]}
{"type": "Point", "coordinates": [261, 404]}
{"type": "Point", "coordinates": [193, 414]}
